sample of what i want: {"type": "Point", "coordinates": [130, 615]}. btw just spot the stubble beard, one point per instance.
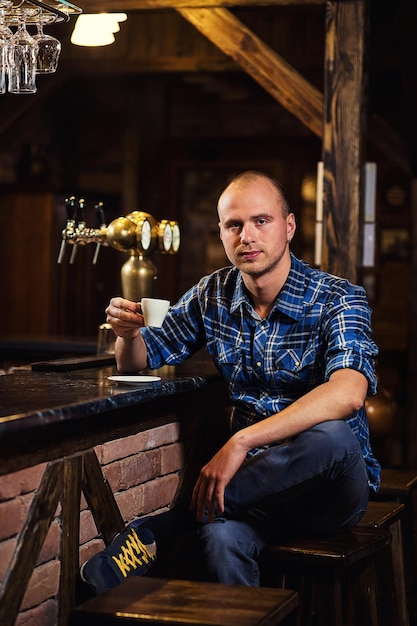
{"type": "Point", "coordinates": [252, 269]}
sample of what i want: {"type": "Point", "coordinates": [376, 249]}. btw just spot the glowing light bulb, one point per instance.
{"type": "Point", "coordinates": [96, 29]}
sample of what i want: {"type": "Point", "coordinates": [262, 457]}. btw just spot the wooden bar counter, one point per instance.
{"type": "Point", "coordinates": [56, 413]}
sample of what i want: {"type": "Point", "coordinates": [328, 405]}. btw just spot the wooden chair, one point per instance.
{"type": "Point", "coordinates": [400, 485]}
{"type": "Point", "coordinates": [345, 579]}
{"type": "Point", "coordinates": [162, 602]}
{"type": "Point", "coordinates": [389, 515]}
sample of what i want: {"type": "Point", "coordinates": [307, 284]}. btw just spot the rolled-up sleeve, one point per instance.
{"type": "Point", "coordinates": [348, 329]}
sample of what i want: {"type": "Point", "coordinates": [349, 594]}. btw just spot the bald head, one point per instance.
{"type": "Point", "coordinates": [251, 177]}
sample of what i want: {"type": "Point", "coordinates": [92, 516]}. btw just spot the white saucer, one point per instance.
{"type": "Point", "coordinates": [134, 380]}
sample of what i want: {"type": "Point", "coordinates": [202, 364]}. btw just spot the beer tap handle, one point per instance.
{"type": "Point", "coordinates": [69, 209]}
{"type": "Point", "coordinates": [101, 214]}
{"type": "Point", "coordinates": [80, 226]}
{"type": "Point", "coordinates": [81, 212]}
{"type": "Point", "coordinates": [102, 222]}
{"type": "Point", "coordinates": [61, 252]}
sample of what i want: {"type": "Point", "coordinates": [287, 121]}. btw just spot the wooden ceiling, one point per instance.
{"type": "Point", "coordinates": [393, 47]}
{"type": "Point", "coordinates": [96, 6]}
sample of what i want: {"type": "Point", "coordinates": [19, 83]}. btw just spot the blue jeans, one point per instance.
{"type": "Point", "coordinates": [315, 483]}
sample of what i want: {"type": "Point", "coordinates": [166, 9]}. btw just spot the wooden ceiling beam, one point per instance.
{"type": "Point", "coordinates": [266, 67]}
{"type": "Point", "coordinates": [96, 6]}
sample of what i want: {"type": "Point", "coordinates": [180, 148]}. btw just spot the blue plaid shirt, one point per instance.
{"type": "Point", "coordinates": [319, 324]}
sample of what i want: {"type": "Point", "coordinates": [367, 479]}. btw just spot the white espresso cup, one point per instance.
{"type": "Point", "coordinates": [154, 311]}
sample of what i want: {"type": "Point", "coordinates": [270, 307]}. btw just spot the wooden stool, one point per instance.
{"type": "Point", "coordinates": [388, 516]}
{"type": "Point", "coordinates": [347, 578]}
{"type": "Point", "coordinates": [163, 602]}
{"type": "Point", "coordinates": [400, 485]}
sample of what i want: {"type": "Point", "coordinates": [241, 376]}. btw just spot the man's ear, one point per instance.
{"type": "Point", "coordinates": [291, 226]}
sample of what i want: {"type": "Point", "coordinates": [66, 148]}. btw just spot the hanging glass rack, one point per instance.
{"type": "Point", "coordinates": [51, 10]}
{"type": "Point", "coordinates": [23, 56]}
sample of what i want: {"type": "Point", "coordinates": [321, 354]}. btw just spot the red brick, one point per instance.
{"type": "Point", "coordinates": [133, 470]}
{"type": "Point", "coordinates": [172, 458]}
{"type": "Point", "coordinates": [44, 584]}
{"type": "Point", "coordinates": [90, 549]}
{"type": "Point", "coordinates": [120, 448]}
{"type": "Point", "coordinates": [45, 614]}
{"type": "Point", "coordinates": [50, 549]}
{"type": "Point", "coordinates": [163, 435]}
{"type": "Point", "coordinates": [88, 528]}
{"type": "Point", "coordinates": [13, 514]}
{"type": "Point", "coordinates": [99, 453]}
{"type": "Point", "coordinates": [6, 553]}
{"type": "Point", "coordinates": [83, 502]}
{"type": "Point", "coordinates": [142, 470]}
{"type": "Point", "coordinates": [130, 503]}
{"type": "Point", "coordinates": [51, 546]}
{"type": "Point", "coordinates": [160, 492]}
{"type": "Point", "coordinates": [16, 484]}
{"type": "Point", "coordinates": [147, 498]}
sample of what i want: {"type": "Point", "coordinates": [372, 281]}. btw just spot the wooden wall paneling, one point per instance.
{"type": "Point", "coordinates": [26, 227]}
{"type": "Point", "coordinates": [83, 290]}
{"type": "Point", "coordinates": [343, 136]}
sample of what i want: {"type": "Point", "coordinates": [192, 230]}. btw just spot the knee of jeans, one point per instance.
{"type": "Point", "coordinates": [338, 433]}
{"type": "Point", "coordinates": [229, 552]}
{"type": "Point", "coordinates": [226, 536]}
{"type": "Point", "coordinates": [215, 533]}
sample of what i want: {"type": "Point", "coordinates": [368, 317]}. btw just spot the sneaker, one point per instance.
{"type": "Point", "coordinates": [130, 554]}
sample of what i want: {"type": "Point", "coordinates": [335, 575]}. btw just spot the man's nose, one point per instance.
{"type": "Point", "coordinates": [247, 234]}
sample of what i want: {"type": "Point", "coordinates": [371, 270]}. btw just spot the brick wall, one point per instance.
{"type": "Point", "coordinates": [143, 471]}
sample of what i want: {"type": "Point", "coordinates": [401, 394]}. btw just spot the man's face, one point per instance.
{"type": "Point", "coordinates": [253, 229]}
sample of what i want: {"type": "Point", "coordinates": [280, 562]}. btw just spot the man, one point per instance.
{"type": "Point", "coordinates": [295, 345]}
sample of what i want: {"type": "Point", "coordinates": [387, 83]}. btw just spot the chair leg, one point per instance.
{"type": "Point", "coordinates": [387, 600]}
{"type": "Point", "coordinates": [397, 555]}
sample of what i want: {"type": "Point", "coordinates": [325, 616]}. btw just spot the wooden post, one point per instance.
{"type": "Point", "coordinates": [411, 424]}
{"type": "Point", "coordinates": [343, 136]}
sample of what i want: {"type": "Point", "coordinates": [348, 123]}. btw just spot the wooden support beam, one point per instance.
{"type": "Point", "coordinates": [29, 542]}
{"type": "Point", "coordinates": [97, 6]}
{"type": "Point", "coordinates": [100, 499]}
{"type": "Point", "coordinates": [343, 136]}
{"type": "Point", "coordinates": [265, 66]}
{"type": "Point", "coordinates": [70, 535]}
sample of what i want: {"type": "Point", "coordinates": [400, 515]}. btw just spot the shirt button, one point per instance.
{"type": "Point", "coordinates": [297, 364]}
{"type": "Point", "coordinates": [258, 364]}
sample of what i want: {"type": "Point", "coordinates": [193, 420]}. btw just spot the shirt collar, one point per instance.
{"type": "Point", "coordinates": [290, 300]}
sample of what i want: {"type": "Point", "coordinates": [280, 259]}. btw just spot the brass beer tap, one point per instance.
{"type": "Point", "coordinates": [137, 234]}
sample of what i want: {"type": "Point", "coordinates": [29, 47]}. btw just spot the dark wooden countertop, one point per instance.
{"type": "Point", "coordinates": [45, 415]}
